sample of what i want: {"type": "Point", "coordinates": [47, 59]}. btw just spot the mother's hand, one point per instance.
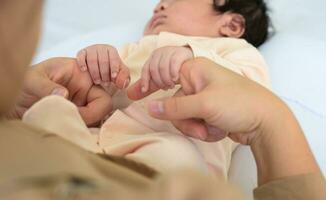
{"type": "Point", "coordinates": [61, 76]}
{"type": "Point", "coordinates": [215, 102]}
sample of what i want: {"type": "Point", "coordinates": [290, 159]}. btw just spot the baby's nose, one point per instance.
{"type": "Point", "coordinates": [161, 6]}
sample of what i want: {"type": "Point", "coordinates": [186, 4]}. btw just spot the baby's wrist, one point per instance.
{"type": "Point", "coordinates": [191, 52]}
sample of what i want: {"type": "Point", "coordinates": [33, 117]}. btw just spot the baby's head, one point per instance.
{"type": "Point", "coordinates": [246, 19]}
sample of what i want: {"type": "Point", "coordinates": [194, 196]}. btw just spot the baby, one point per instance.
{"type": "Point", "coordinates": [216, 19]}
{"type": "Point", "coordinates": [179, 30]}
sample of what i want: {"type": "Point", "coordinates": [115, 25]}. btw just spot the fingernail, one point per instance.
{"type": "Point", "coordinates": [195, 133]}
{"type": "Point", "coordinates": [97, 82]}
{"type": "Point", "coordinates": [202, 136]}
{"type": "Point", "coordinates": [143, 89]}
{"type": "Point", "coordinates": [175, 78]}
{"type": "Point", "coordinates": [59, 92]}
{"type": "Point", "coordinates": [106, 83]}
{"type": "Point", "coordinates": [83, 68]}
{"type": "Point", "coordinates": [114, 74]}
{"type": "Point", "coordinates": [156, 107]}
{"type": "Point", "coordinates": [218, 133]}
{"type": "Point", "coordinates": [126, 83]}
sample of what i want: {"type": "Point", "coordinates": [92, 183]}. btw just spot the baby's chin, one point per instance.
{"type": "Point", "coordinates": [151, 32]}
{"type": "Point", "coordinates": [155, 31]}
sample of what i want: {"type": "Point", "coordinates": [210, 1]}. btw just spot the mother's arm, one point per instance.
{"type": "Point", "coordinates": [214, 103]}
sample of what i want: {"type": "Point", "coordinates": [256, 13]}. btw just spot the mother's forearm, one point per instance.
{"type": "Point", "coordinates": [282, 150]}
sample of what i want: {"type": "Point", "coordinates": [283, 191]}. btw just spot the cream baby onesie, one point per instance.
{"type": "Point", "coordinates": [132, 133]}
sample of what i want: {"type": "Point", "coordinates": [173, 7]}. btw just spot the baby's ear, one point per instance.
{"type": "Point", "coordinates": [233, 25]}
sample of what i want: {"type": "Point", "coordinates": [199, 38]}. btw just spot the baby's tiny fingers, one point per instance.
{"type": "Point", "coordinates": [176, 62]}
{"type": "Point", "coordinates": [81, 60]}
{"type": "Point", "coordinates": [154, 70]}
{"type": "Point", "coordinates": [115, 62]}
{"type": "Point", "coordinates": [123, 77]}
{"type": "Point", "coordinates": [164, 69]}
{"type": "Point", "coordinates": [104, 65]}
{"type": "Point", "coordinates": [92, 63]}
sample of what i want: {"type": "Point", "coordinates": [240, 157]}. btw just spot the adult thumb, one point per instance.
{"type": "Point", "coordinates": [43, 86]}
{"type": "Point", "coordinates": [60, 91]}
{"type": "Point", "coordinates": [176, 108]}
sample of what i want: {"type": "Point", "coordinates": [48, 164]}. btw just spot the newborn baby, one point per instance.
{"type": "Point", "coordinates": [178, 31]}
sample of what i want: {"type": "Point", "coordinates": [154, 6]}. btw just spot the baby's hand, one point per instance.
{"type": "Point", "coordinates": [104, 65]}
{"type": "Point", "coordinates": [163, 67]}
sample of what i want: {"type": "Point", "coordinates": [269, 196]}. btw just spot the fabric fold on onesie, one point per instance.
{"type": "Point", "coordinates": [120, 135]}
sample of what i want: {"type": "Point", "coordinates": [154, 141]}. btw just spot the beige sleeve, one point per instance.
{"type": "Point", "coordinates": [302, 187]}
{"type": "Point", "coordinates": [125, 50]}
{"type": "Point", "coordinates": [244, 60]}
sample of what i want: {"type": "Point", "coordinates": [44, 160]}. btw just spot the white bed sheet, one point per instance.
{"type": "Point", "coordinates": [294, 55]}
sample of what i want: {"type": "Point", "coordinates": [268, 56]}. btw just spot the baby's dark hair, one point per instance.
{"type": "Point", "coordinates": [256, 17]}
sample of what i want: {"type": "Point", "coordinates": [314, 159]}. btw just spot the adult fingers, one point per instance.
{"type": "Point", "coordinates": [99, 105]}
{"type": "Point", "coordinates": [177, 108]}
{"type": "Point", "coordinates": [50, 88]}
{"type": "Point", "coordinates": [192, 128]}
{"type": "Point", "coordinates": [135, 90]}
{"type": "Point", "coordinates": [145, 77]}
{"type": "Point", "coordinates": [65, 72]}
{"type": "Point", "coordinates": [199, 129]}
{"type": "Point", "coordinates": [44, 78]}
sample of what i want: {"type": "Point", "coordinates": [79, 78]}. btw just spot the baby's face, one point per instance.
{"type": "Point", "coordinates": [185, 17]}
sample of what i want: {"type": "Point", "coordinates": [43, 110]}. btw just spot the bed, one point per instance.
{"type": "Point", "coordinates": [295, 55]}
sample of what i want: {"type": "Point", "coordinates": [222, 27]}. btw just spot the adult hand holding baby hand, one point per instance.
{"type": "Point", "coordinates": [213, 103]}
{"type": "Point", "coordinates": [61, 76]}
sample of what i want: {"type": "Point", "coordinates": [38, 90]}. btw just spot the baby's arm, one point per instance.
{"type": "Point", "coordinates": [237, 56]}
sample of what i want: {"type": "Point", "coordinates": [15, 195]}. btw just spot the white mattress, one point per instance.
{"type": "Point", "coordinates": [295, 56]}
